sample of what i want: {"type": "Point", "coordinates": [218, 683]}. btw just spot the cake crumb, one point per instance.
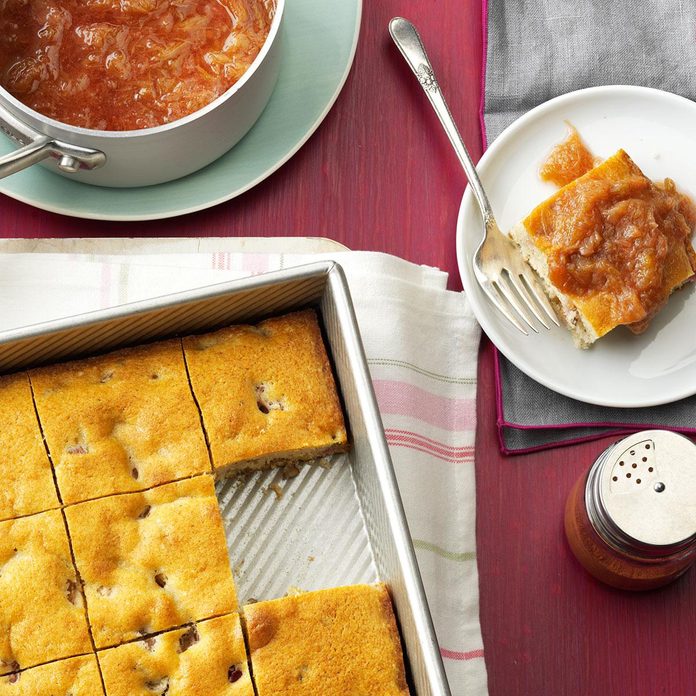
{"type": "Point", "coordinates": [291, 470]}
{"type": "Point", "coordinates": [277, 489]}
{"type": "Point", "coordinates": [325, 462]}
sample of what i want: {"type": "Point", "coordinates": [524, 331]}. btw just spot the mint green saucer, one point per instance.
{"type": "Point", "coordinates": [319, 45]}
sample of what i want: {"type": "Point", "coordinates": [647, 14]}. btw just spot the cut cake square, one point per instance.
{"type": "Point", "coordinates": [596, 213]}
{"type": "Point", "coordinates": [206, 659]}
{"type": "Point", "coordinates": [266, 392]}
{"type": "Point", "coordinates": [76, 676]}
{"type": "Point", "coordinates": [120, 422]}
{"type": "Point", "coordinates": [28, 485]}
{"type": "Point", "coordinates": [42, 614]}
{"type": "Point", "coordinates": [152, 560]}
{"type": "Point", "coordinates": [337, 642]}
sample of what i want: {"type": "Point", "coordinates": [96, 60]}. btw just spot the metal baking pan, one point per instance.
{"type": "Point", "coordinates": [331, 525]}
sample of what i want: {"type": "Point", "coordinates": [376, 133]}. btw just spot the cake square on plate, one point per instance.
{"type": "Point", "coordinates": [120, 422]}
{"type": "Point", "coordinates": [335, 642]}
{"type": "Point", "coordinates": [610, 248]}
{"type": "Point", "coordinates": [206, 659]}
{"type": "Point", "coordinates": [42, 613]}
{"type": "Point", "coordinates": [28, 485]}
{"type": "Point", "coordinates": [76, 676]}
{"type": "Point", "coordinates": [152, 560]}
{"type": "Point", "coordinates": [266, 392]}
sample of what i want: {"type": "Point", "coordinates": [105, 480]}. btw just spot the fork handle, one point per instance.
{"type": "Point", "coordinates": [409, 43]}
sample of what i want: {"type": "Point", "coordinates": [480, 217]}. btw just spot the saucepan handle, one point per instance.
{"type": "Point", "coordinates": [37, 147]}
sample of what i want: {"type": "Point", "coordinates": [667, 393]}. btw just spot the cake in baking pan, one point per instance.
{"type": "Point", "coordinates": [76, 676]}
{"type": "Point", "coordinates": [266, 393]}
{"type": "Point", "coordinates": [152, 560]}
{"type": "Point", "coordinates": [203, 659]}
{"type": "Point", "coordinates": [336, 642]}
{"type": "Point", "coordinates": [27, 481]}
{"type": "Point", "coordinates": [122, 584]}
{"type": "Point", "coordinates": [42, 610]}
{"type": "Point", "coordinates": [120, 422]}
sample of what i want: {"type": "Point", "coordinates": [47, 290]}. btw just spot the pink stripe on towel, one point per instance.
{"type": "Point", "coordinates": [453, 655]}
{"type": "Point", "coordinates": [410, 440]}
{"type": "Point", "coordinates": [404, 399]}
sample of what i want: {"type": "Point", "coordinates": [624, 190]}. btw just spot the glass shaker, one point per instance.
{"type": "Point", "coordinates": [631, 519]}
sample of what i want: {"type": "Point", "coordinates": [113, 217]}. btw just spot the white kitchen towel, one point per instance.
{"type": "Point", "coordinates": [421, 341]}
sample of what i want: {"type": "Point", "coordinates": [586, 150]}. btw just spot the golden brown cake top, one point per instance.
{"type": "Point", "coordinates": [42, 615]}
{"type": "Point", "coordinates": [341, 642]}
{"type": "Point", "coordinates": [77, 676]}
{"type": "Point", "coordinates": [616, 243]}
{"type": "Point", "coordinates": [152, 560]}
{"type": "Point", "coordinates": [120, 422]}
{"type": "Point", "coordinates": [27, 480]}
{"type": "Point", "coordinates": [206, 659]}
{"type": "Point", "coordinates": [266, 391]}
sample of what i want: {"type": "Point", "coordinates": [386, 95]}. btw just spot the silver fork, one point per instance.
{"type": "Point", "coordinates": [499, 268]}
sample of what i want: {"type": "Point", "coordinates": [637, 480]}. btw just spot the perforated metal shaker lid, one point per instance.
{"type": "Point", "coordinates": [645, 491]}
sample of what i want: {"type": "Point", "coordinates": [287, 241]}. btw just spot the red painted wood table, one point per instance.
{"type": "Point", "coordinates": [379, 175]}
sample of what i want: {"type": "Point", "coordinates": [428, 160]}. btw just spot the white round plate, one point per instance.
{"type": "Point", "coordinates": [658, 131]}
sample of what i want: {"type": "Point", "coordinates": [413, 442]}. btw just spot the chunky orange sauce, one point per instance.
{"type": "Point", "coordinates": [616, 235]}
{"type": "Point", "coordinates": [567, 161]}
{"type": "Point", "coordinates": [127, 64]}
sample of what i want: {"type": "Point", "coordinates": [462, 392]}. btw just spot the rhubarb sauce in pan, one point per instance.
{"type": "Point", "coordinates": [127, 64]}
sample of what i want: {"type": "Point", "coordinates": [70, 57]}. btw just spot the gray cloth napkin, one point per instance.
{"type": "Point", "coordinates": [536, 50]}
{"type": "Point", "coordinates": [532, 417]}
